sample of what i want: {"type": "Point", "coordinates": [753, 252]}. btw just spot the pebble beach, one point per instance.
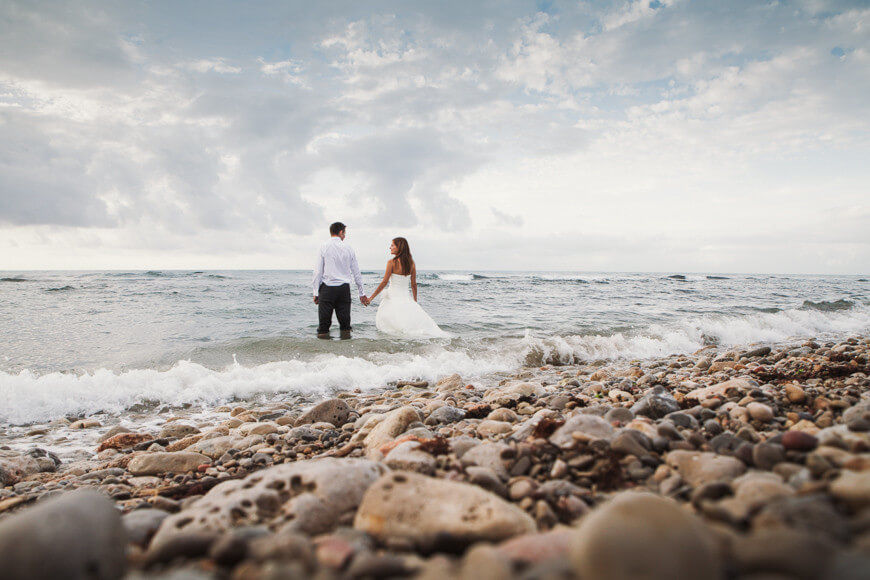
{"type": "Point", "coordinates": [741, 462]}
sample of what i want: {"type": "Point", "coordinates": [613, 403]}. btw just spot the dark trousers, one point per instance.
{"type": "Point", "coordinates": [333, 298]}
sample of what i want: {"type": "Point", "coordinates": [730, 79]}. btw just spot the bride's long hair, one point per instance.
{"type": "Point", "coordinates": [404, 255]}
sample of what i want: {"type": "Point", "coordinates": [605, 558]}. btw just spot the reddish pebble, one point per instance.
{"type": "Point", "coordinates": [203, 467]}
{"type": "Point", "coordinates": [799, 441]}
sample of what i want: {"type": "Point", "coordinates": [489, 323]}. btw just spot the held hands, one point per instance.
{"type": "Point", "coordinates": [365, 300]}
{"type": "Point", "coordinates": [316, 301]}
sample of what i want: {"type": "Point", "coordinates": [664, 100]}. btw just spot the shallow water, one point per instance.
{"type": "Point", "coordinates": [76, 343]}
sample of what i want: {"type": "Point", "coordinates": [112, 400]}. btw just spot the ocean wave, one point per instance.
{"type": "Point", "coordinates": [560, 278]}
{"type": "Point", "coordinates": [718, 278]}
{"type": "Point", "coordinates": [28, 397]}
{"type": "Point", "coordinates": [60, 288]}
{"type": "Point", "coordinates": [15, 279]}
{"type": "Point", "coordinates": [824, 306]}
{"type": "Point", "coordinates": [456, 277]}
{"type": "Point", "coordinates": [694, 333]}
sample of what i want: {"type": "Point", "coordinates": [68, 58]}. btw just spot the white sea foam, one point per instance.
{"type": "Point", "coordinates": [28, 397]}
{"type": "Point", "coordinates": [456, 277]}
{"type": "Point", "coordinates": [692, 334]}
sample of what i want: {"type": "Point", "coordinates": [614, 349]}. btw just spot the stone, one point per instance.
{"type": "Point", "coordinates": [142, 524]}
{"type": "Point", "coordinates": [783, 552]}
{"type": "Point", "coordinates": [183, 443]}
{"type": "Point", "coordinates": [446, 414]}
{"type": "Point", "coordinates": [511, 395]}
{"type": "Point", "coordinates": [451, 383]}
{"type": "Point", "coordinates": [85, 424]}
{"type": "Point", "coordinates": [767, 455]}
{"type": "Point", "coordinates": [760, 412]}
{"type": "Point", "coordinates": [794, 393]}
{"type": "Point", "coordinates": [489, 428]}
{"type": "Point", "coordinates": [656, 403]}
{"type": "Point", "coordinates": [391, 426]}
{"type": "Point", "coordinates": [799, 441]}
{"type": "Point", "coordinates": [437, 513]}
{"type": "Point", "coordinates": [14, 467]}
{"type": "Point", "coordinates": [626, 443]}
{"type": "Point", "coordinates": [487, 479]}
{"type": "Point", "coordinates": [535, 548]}
{"type": "Point", "coordinates": [335, 411]}
{"type": "Point", "coordinates": [123, 441]}
{"type": "Point", "coordinates": [217, 446]}
{"type": "Point", "coordinates": [484, 562]}
{"type": "Point", "coordinates": [263, 428]}
{"type": "Point", "coordinates": [408, 456]}
{"type": "Point", "coordinates": [698, 468]}
{"type": "Point", "coordinates": [852, 487]}
{"type": "Point", "coordinates": [177, 430]}
{"type": "Point", "coordinates": [495, 456]}
{"type": "Point", "coordinates": [814, 514]}
{"type": "Point", "coordinates": [166, 462]}
{"type": "Point", "coordinates": [756, 489]}
{"type": "Point", "coordinates": [305, 496]}
{"type": "Point", "coordinates": [581, 427]}
{"type": "Point", "coordinates": [723, 390]}
{"type": "Point", "coordinates": [641, 535]}
{"type": "Point", "coordinates": [78, 535]}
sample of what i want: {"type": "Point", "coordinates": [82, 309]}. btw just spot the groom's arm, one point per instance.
{"type": "Point", "coordinates": [318, 275]}
{"type": "Point", "coordinates": [357, 275]}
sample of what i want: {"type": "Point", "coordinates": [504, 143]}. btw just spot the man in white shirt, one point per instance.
{"type": "Point", "coordinates": [336, 268]}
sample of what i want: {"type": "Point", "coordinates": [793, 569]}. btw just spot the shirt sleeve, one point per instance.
{"type": "Point", "coordinates": [357, 276]}
{"type": "Point", "coordinates": [318, 273]}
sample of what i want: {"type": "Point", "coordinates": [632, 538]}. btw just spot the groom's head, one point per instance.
{"type": "Point", "coordinates": [337, 229]}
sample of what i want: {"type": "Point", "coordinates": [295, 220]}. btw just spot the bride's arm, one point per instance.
{"type": "Point", "coordinates": [383, 283]}
{"type": "Point", "coordinates": [414, 281]}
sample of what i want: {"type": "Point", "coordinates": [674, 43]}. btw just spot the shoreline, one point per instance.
{"type": "Point", "coordinates": [762, 455]}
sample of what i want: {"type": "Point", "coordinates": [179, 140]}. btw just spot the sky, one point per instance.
{"type": "Point", "coordinates": [663, 135]}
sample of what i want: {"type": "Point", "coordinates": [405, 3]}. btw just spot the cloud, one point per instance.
{"type": "Point", "coordinates": [202, 134]}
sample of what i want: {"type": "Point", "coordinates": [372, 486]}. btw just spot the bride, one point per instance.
{"type": "Point", "coordinates": [398, 313]}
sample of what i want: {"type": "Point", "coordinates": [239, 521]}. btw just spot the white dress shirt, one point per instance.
{"type": "Point", "coordinates": [337, 265]}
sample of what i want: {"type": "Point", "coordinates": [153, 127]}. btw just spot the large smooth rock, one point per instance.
{"type": "Point", "coordinates": [510, 395]}
{"type": "Point", "coordinates": [166, 462]}
{"type": "Point", "coordinates": [306, 496]}
{"type": "Point", "coordinates": [583, 427]}
{"type": "Point", "coordinates": [335, 411]}
{"type": "Point", "coordinates": [391, 426]}
{"type": "Point", "coordinates": [641, 535]}
{"type": "Point", "coordinates": [656, 403]}
{"type": "Point", "coordinates": [78, 535]}
{"type": "Point", "coordinates": [698, 468]}
{"type": "Point", "coordinates": [433, 513]}
{"type": "Point", "coordinates": [217, 446]}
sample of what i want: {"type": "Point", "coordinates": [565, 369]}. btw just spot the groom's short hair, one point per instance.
{"type": "Point", "coordinates": [336, 228]}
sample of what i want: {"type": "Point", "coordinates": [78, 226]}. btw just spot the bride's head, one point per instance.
{"type": "Point", "coordinates": [402, 253]}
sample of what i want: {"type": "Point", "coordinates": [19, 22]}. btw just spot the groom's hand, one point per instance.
{"type": "Point", "coordinates": [316, 301]}
{"type": "Point", "coordinates": [365, 300]}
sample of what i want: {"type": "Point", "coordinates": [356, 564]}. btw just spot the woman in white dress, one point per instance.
{"type": "Point", "coordinates": [399, 314]}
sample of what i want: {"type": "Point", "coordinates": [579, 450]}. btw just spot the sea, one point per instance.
{"type": "Point", "coordinates": [77, 343]}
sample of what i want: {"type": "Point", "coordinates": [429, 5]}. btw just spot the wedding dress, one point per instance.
{"type": "Point", "coordinates": [400, 315]}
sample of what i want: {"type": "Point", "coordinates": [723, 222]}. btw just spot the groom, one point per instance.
{"type": "Point", "coordinates": [336, 268]}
